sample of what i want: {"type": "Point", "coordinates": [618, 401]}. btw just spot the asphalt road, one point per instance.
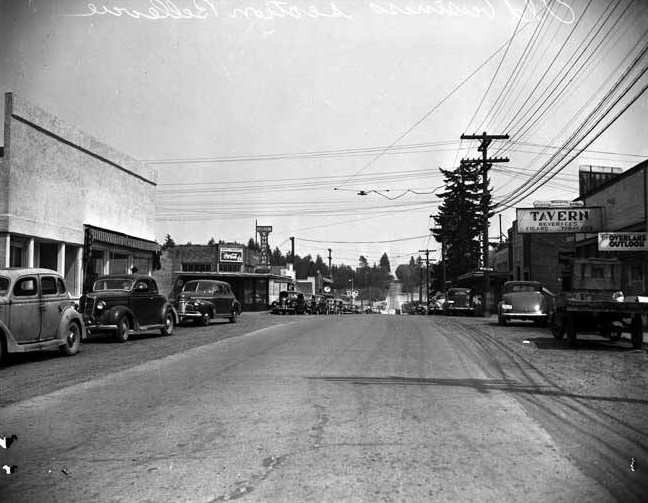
{"type": "Point", "coordinates": [337, 408]}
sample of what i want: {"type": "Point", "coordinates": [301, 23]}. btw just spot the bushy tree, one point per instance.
{"type": "Point", "coordinates": [460, 220]}
{"type": "Point", "coordinates": [168, 242]}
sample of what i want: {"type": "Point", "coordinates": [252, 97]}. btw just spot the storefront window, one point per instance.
{"type": "Point", "coordinates": [97, 262]}
{"type": "Point", "coordinates": [142, 264]}
{"type": "Point", "coordinates": [196, 267]}
{"type": "Point", "coordinates": [262, 291]}
{"type": "Point", "coordinates": [48, 255]}
{"type": "Point", "coordinates": [118, 263]}
{"type": "Point", "coordinates": [229, 267]}
{"type": "Point", "coordinates": [248, 292]}
{"type": "Point", "coordinates": [16, 255]}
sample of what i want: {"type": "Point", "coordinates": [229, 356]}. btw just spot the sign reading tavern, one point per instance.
{"type": "Point", "coordinates": [559, 219]}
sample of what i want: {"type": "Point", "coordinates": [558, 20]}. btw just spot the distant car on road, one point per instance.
{"type": "Point", "coordinates": [37, 313]}
{"type": "Point", "coordinates": [125, 303]}
{"type": "Point", "coordinates": [524, 300]}
{"type": "Point", "coordinates": [290, 301]}
{"type": "Point", "coordinates": [203, 300]}
{"type": "Point", "coordinates": [463, 301]}
{"type": "Point", "coordinates": [436, 303]}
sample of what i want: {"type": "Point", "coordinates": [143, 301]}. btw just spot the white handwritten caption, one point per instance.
{"type": "Point", "coordinates": [157, 10]}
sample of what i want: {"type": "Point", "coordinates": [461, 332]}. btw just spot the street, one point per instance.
{"type": "Point", "coordinates": [330, 408]}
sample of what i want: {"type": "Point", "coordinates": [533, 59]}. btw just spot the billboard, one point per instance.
{"type": "Point", "coordinates": [231, 254]}
{"type": "Point", "coordinates": [622, 241]}
{"type": "Point", "coordinates": [540, 220]}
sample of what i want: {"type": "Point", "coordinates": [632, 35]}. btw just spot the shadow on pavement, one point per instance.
{"type": "Point", "coordinates": [480, 385]}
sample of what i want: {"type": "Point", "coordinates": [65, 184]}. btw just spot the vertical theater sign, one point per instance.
{"type": "Point", "coordinates": [264, 259]}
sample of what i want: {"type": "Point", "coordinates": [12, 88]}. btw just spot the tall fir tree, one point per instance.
{"type": "Point", "coordinates": [460, 219]}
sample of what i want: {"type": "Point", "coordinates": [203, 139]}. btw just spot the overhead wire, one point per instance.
{"type": "Point", "coordinates": [426, 115]}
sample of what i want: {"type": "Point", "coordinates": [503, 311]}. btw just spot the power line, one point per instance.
{"type": "Point", "coordinates": [362, 242]}
{"type": "Point", "coordinates": [427, 114]}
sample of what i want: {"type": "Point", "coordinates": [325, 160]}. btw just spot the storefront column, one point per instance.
{"type": "Point", "coordinates": [6, 249]}
{"type": "Point", "coordinates": [106, 262]}
{"type": "Point", "coordinates": [60, 259]}
{"type": "Point", "coordinates": [30, 252]}
{"type": "Point", "coordinates": [79, 272]}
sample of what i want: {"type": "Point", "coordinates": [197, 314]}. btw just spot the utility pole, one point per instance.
{"type": "Point", "coordinates": [427, 275]}
{"type": "Point", "coordinates": [329, 259]}
{"type": "Point", "coordinates": [418, 260]}
{"type": "Point", "coordinates": [486, 163]}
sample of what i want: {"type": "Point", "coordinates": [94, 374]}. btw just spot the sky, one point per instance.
{"type": "Point", "coordinates": [281, 113]}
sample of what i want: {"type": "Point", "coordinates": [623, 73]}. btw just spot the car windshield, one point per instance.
{"type": "Point", "coordinates": [522, 288]}
{"type": "Point", "coordinates": [199, 287]}
{"type": "Point", "coordinates": [112, 284]}
{"type": "Point", "coordinates": [4, 286]}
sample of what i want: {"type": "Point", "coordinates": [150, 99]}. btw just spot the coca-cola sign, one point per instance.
{"type": "Point", "coordinates": [231, 255]}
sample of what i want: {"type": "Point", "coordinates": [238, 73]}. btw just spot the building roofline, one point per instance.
{"type": "Point", "coordinates": [616, 179]}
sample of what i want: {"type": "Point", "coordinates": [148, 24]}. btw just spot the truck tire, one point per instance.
{"type": "Point", "coordinates": [636, 331]}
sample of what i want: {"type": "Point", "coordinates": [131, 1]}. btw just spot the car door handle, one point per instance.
{"type": "Point", "coordinates": [42, 307]}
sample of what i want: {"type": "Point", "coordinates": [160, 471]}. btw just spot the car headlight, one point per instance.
{"type": "Point", "coordinates": [101, 305]}
{"type": "Point", "coordinates": [507, 307]}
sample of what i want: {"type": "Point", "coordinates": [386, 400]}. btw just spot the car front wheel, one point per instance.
{"type": "Point", "coordinates": [123, 328]}
{"type": "Point", "coordinates": [169, 324]}
{"type": "Point", "coordinates": [72, 340]}
{"type": "Point", "coordinates": [234, 317]}
{"type": "Point", "coordinates": [500, 319]}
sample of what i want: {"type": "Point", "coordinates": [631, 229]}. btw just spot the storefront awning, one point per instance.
{"type": "Point", "coordinates": [122, 240]}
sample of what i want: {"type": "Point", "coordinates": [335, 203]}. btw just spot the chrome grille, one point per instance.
{"type": "Point", "coordinates": [88, 307]}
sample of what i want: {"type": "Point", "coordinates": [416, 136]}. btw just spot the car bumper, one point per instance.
{"type": "Point", "coordinates": [524, 316]}
{"type": "Point", "coordinates": [94, 328]}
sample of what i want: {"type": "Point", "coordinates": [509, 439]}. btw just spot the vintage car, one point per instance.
{"type": "Point", "coordinates": [37, 313]}
{"type": "Point", "coordinates": [127, 303]}
{"type": "Point", "coordinates": [524, 300]}
{"type": "Point", "coordinates": [317, 304]}
{"type": "Point", "coordinates": [436, 303]}
{"type": "Point", "coordinates": [203, 300]}
{"type": "Point", "coordinates": [463, 301]}
{"type": "Point", "coordinates": [290, 301]}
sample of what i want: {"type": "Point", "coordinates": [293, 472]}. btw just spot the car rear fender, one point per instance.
{"type": "Point", "coordinates": [69, 314]}
{"type": "Point", "coordinates": [9, 342]}
{"type": "Point", "coordinates": [168, 306]}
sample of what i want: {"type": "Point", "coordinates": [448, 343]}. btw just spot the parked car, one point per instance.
{"type": "Point", "coordinates": [524, 300]}
{"type": "Point", "coordinates": [37, 313]}
{"type": "Point", "coordinates": [203, 300]}
{"type": "Point", "coordinates": [317, 304]}
{"type": "Point", "coordinates": [290, 301]}
{"type": "Point", "coordinates": [436, 303]}
{"type": "Point", "coordinates": [127, 303]}
{"type": "Point", "coordinates": [463, 301]}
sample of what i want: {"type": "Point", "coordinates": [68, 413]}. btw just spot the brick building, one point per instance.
{"type": "Point", "coordinates": [69, 202]}
{"type": "Point", "coordinates": [231, 262]}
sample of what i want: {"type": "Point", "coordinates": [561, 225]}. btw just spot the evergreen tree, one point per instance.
{"type": "Point", "coordinates": [384, 263]}
{"type": "Point", "coordinates": [168, 242]}
{"type": "Point", "coordinates": [460, 219]}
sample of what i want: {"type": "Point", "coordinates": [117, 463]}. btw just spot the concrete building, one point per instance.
{"type": "Point", "coordinates": [69, 202]}
{"type": "Point", "coordinates": [624, 199]}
